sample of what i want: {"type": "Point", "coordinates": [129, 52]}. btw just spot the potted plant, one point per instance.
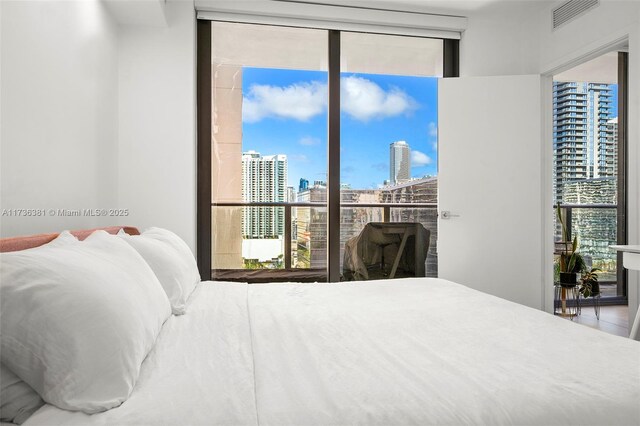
{"type": "Point", "coordinates": [589, 285]}
{"type": "Point", "coordinates": [571, 262]}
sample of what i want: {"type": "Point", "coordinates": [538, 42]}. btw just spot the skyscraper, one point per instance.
{"type": "Point", "coordinates": [399, 162]}
{"type": "Point", "coordinates": [264, 179]}
{"type": "Point", "coordinates": [585, 145]}
{"type": "Point", "coordinates": [583, 140]}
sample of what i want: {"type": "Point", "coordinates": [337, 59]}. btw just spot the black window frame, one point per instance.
{"type": "Point", "coordinates": [451, 61]}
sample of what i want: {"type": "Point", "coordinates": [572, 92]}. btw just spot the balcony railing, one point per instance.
{"type": "Point", "coordinates": [288, 206]}
{"type": "Point", "coordinates": [596, 225]}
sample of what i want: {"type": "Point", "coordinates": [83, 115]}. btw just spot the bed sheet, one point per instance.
{"type": "Point", "coordinates": [200, 371]}
{"type": "Point", "coordinates": [412, 351]}
{"type": "Point", "coordinates": [429, 351]}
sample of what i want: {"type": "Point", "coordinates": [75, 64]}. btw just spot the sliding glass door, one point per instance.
{"type": "Point", "coordinates": [589, 164]}
{"type": "Point", "coordinates": [282, 161]}
{"type": "Point", "coordinates": [269, 95]}
{"type": "Point", "coordinates": [389, 141]}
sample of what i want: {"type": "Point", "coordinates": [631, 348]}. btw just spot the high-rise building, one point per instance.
{"type": "Point", "coordinates": [399, 162]}
{"type": "Point", "coordinates": [584, 147]}
{"type": "Point", "coordinates": [264, 179]}
{"type": "Point", "coordinates": [291, 194]}
{"type": "Point", "coordinates": [585, 143]}
{"type": "Point", "coordinates": [304, 185]}
{"type": "Point", "coordinates": [610, 156]}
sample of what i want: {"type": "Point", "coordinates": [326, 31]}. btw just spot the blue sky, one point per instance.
{"type": "Point", "coordinates": [284, 112]}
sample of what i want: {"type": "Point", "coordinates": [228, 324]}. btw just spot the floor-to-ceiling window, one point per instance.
{"type": "Point", "coordinates": [270, 154]}
{"type": "Point", "coordinates": [589, 164]}
{"type": "Point", "coordinates": [269, 138]}
{"type": "Point", "coordinates": [389, 135]}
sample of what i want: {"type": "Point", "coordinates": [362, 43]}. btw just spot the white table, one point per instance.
{"type": "Point", "coordinates": [631, 260]}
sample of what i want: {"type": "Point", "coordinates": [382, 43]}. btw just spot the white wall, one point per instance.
{"type": "Point", "coordinates": [499, 40]}
{"type": "Point", "coordinates": [97, 116]}
{"type": "Point", "coordinates": [157, 147]}
{"type": "Point", "coordinates": [58, 137]}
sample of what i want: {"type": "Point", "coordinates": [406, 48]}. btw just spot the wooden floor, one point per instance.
{"type": "Point", "coordinates": [613, 319]}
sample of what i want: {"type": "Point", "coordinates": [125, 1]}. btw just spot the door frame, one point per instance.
{"type": "Point", "coordinates": [614, 43]}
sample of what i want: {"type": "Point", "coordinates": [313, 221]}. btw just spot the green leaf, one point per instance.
{"type": "Point", "coordinates": [572, 262]}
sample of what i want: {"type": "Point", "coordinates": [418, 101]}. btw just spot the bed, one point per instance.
{"type": "Point", "coordinates": [406, 351]}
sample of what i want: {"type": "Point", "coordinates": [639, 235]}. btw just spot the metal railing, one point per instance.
{"type": "Point", "coordinates": [568, 210]}
{"type": "Point", "coordinates": [386, 214]}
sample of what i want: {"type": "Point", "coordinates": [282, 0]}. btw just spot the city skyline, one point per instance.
{"type": "Point", "coordinates": [584, 143]}
{"type": "Point", "coordinates": [377, 110]}
{"type": "Point", "coordinates": [586, 166]}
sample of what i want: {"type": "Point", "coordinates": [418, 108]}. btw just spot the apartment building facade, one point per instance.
{"type": "Point", "coordinates": [264, 179]}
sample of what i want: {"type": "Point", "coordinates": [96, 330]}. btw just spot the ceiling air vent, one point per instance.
{"type": "Point", "coordinates": [570, 10]}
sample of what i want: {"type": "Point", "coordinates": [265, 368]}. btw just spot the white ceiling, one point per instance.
{"type": "Point", "coordinates": [603, 69]}
{"type": "Point", "coordinates": [449, 7]}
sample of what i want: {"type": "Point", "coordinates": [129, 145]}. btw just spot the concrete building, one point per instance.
{"type": "Point", "coordinates": [264, 179]}
{"type": "Point", "coordinates": [226, 176]}
{"type": "Point", "coordinates": [596, 229]}
{"type": "Point", "coordinates": [399, 162]}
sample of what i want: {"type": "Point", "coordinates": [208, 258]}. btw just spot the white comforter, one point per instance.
{"type": "Point", "coordinates": [417, 351]}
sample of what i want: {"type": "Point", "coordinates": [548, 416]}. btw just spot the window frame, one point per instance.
{"type": "Point", "coordinates": [451, 55]}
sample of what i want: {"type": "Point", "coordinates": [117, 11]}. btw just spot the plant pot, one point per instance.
{"type": "Point", "coordinates": [568, 279]}
{"type": "Point", "coordinates": [595, 288]}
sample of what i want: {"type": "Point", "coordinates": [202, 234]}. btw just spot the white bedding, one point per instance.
{"type": "Point", "coordinates": [200, 371]}
{"type": "Point", "coordinates": [416, 351]}
{"type": "Point", "coordinates": [428, 351]}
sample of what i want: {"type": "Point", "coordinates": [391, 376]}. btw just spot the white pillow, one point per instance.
{"type": "Point", "coordinates": [173, 272]}
{"type": "Point", "coordinates": [192, 275]}
{"type": "Point", "coordinates": [18, 400]}
{"type": "Point", "coordinates": [78, 319]}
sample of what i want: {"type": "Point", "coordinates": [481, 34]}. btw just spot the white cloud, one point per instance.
{"type": "Point", "coordinates": [419, 159]}
{"type": "Point", "coordinates": [299, 158]}
{"type": "Point", "coordinates": [433, 135]}
{"type": "Point", "coordinates": [433, 130]}
{"type": "Point", "coordinates": [300, 101]}
{"type": "Point", "coordinates": [309, 141]}
{"type": "Point", "coordinates": [363, 99]}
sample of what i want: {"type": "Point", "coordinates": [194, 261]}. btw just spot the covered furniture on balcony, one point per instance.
{"type": "Point", "coordinates": [386, 250]}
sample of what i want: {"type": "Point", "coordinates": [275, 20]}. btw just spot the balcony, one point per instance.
{"type": "Point", "coordinates": [297, 250]}
{"type": "Point", "coordinates": [595, 225]}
